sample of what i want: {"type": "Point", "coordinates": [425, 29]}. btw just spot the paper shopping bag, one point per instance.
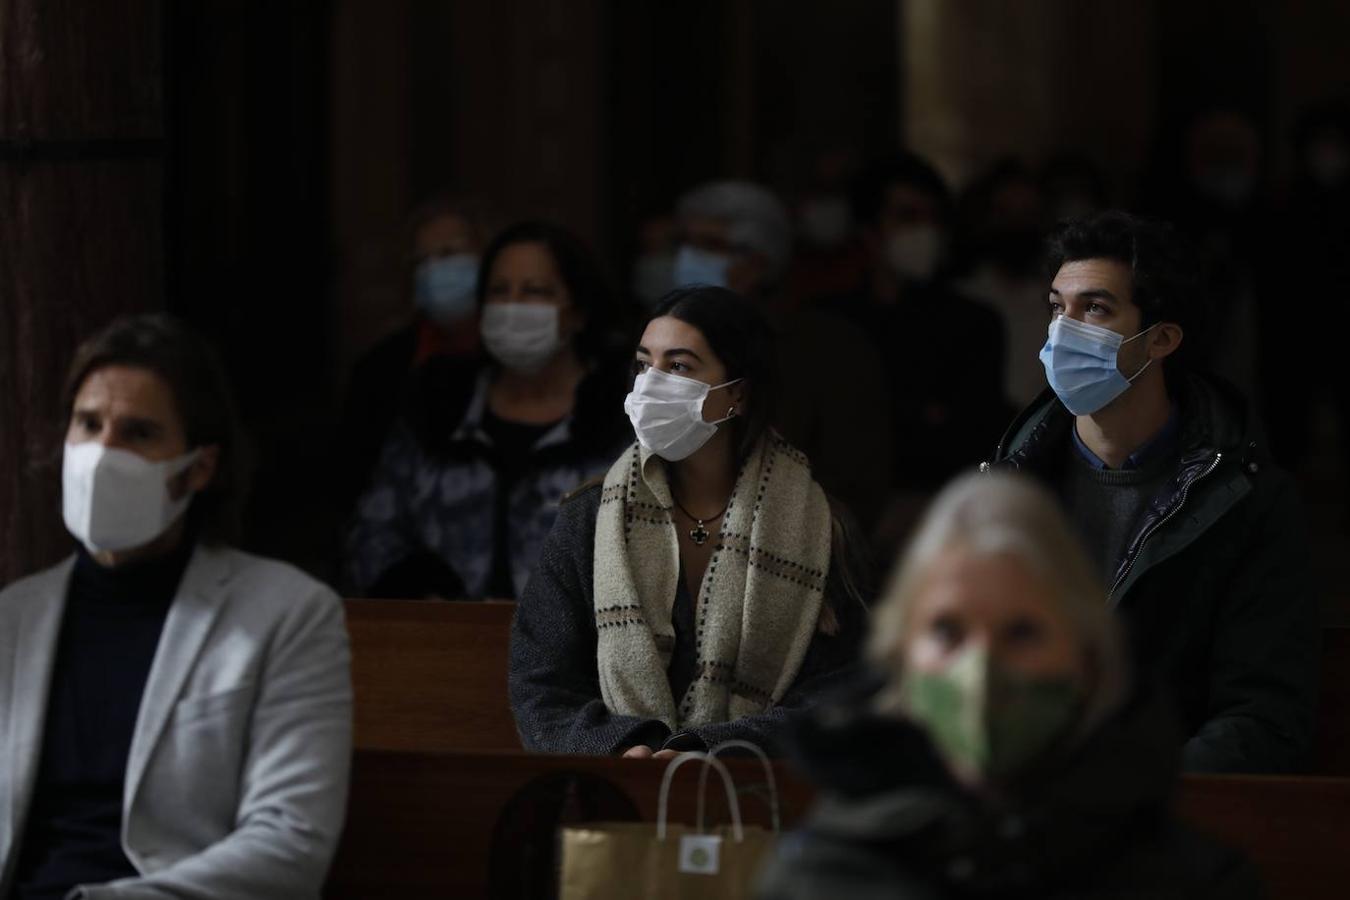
{"type": "Point", "coordinates": [642, 861]}
{"type": "Point", "coordinates": [627, 861]}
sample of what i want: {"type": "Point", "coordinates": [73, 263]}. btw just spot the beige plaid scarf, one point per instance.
{"type": "Point", "coordinates": [758, 606]}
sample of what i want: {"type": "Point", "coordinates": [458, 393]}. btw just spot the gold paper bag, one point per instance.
{"type": "Point", "coordinates": [626, 861]}
{"type": "Point", "coordinates": [641, 861]}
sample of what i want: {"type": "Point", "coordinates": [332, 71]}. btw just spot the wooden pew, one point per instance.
{"type": "Point", "coordinates": [421, 824]}
{"type": "Point", "coordinates": [1296, 830]}
{"type": "Point", "coordinates": [430, 675]}
{"type": "Point", "coordinates": [1331, 752]}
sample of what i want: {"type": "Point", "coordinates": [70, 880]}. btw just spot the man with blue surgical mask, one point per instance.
{"type": "Point", "coordinates": [738, 235]}
{"type": "Point", "coordinates": [1198, 536]}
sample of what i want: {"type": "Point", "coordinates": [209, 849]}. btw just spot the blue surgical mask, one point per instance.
{"type": "Point", "coordinates": [696, 266]}
{"type": "Point", "coordinates": [1080, 364]}
{"type": "Point", "coordinates": [446, 287]}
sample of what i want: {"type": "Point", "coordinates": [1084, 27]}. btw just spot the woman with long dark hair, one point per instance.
{"type": "Point", "coordinates": [704, 588]}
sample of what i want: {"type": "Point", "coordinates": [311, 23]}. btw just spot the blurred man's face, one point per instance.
{"type": "Point", "coordinates": [747, 270]}
{"type": "Point", "coordinates": [446, 235]}
{"type": "Point", "coordinates": [906, 207]}
{"type": "Point", "coordinates": [908, 238]}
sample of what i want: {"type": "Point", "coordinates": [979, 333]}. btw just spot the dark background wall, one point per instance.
{"type": "Point", "coordinates": [83, 168]}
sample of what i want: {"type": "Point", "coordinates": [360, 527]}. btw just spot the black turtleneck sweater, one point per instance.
{"type": "Point", "coordinates": [111, 627]}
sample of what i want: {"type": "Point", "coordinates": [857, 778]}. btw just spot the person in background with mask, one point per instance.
{"type": "Point", "coordinates": [1001, 747]}
{"type": "Point", "coordinates": [1216, 197]}
{"type": "Point", "coordinates": [468, 483]}
{"type": "Point", "coordinates": [1197, 536]}
{"type": "Point", "coordinates": [830, 260]}
{"type": "Point", "coordinates": [654, 269]}
{"type": "Point", "coordinates": [705, 588]}
{"type": "Point", "coordinates": [446, 238]}
{"type": "Point", "coordinates": [943, 352]}
{"type": "Point", "coordinates": [738, 235]}
{"type": "Point", "coordinates": [1003, 222]}
{"type": "Point", "coordinates": [1301, 365]}
{"type": "Point", "coordinates": [177, 714]}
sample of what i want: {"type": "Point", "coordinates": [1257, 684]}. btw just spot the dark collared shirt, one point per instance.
{"type": "Point", "coordinates": [1162, 444]}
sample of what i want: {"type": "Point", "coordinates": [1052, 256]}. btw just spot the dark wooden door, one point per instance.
{"type": "Point", "coordinates": [82, 172]}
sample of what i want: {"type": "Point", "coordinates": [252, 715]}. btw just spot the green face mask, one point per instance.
{"type": "Point", "coordinates": [985, 719]}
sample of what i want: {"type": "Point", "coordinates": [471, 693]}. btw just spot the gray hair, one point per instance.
{"type": "Point", "coordinates": [756, 219]}
{"type": "Point", "coordinates": [1004, 514]}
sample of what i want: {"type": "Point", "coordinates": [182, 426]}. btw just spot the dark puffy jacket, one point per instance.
{"type": "Point", "coordinates": [1214, 583]}
{"type": "Point", "coordinates": [1095, 823]}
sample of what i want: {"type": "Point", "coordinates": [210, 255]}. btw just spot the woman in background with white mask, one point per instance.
{"type": "Point", "coordinates": [468, 483]}
{"type": "Point", "coordinates": [705, 588]}
{"type": "Point", "coordinates": [176, 714]}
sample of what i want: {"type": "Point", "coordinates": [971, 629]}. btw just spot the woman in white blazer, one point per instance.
{"type": "Point", "coordinates": [175, 715]}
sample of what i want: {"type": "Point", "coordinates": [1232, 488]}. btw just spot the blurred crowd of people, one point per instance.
{"type": "Point", "coordinates": [908, 316]}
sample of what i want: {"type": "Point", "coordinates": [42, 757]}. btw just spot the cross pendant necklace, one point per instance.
{"type": "Point", "coordinates": [698, 534]}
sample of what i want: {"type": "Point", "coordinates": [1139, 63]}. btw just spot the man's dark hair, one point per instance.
{"type": "Point", "coordinates": [580, 271]}
{"type": "Point", "coordinates": [1164, 273]}
{"type": "Point", "coordinates": [201, 394]}
{"type": "Point", "coordinates": [739, 334]}
{"type": "Point", "coordinates": [910, 169]}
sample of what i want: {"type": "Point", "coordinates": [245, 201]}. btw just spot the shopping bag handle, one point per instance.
{"type": "Point", "coordinates": [663, 800]}
{"type": "Point", "coordinates": [768, 776]}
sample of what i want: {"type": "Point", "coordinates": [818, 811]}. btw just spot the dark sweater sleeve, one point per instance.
{"type": "Point", "coordinates": [553, 679]}
{"type": "Point", "coordinates": [1266, 650]}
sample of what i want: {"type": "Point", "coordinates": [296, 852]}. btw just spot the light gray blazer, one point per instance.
{"type": "Point", "coordinates": [236, 784]}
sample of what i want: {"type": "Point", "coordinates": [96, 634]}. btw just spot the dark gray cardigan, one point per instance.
{"type": "Point", "coordinates": [554, 683]}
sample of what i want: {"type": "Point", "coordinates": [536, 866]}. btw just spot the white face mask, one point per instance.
{"type": "Point", "coordinates": [117, 500]}
{"type": "Point", "coordinates": [667, 413]}
{"type": "Point", "coordinates": [914, 253]}
{"type": "Point", "coordinates": [522, 336]}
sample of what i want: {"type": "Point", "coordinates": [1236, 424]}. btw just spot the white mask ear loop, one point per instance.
{"type": "Point", "coordinates": [1131, 378]}
{"type": "Point", "coordinates": [731, 411]}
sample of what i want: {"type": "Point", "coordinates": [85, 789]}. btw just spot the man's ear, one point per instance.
{"type": "Point", "coordinates": [1165, 340]}
{"type": "Point", "coordinates": [203, 469]}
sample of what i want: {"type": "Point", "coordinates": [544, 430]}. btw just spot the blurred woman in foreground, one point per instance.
{"type": "Point", "coordinates": [1001, 749]}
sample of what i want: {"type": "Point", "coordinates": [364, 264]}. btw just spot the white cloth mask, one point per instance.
{"type": "Point", "coordinates": [521, 336]}
{"type": "Point", "coordinates": [114, 499]}
{"type": "Point", "coordinates": [914, 253]}
{"type": "Point", "coordinates": [667, 413]}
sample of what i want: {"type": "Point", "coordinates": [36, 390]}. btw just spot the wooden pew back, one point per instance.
{"type": "Point", "coordinates": [430, 675]}
{"type": "Point", "coordinates": [1332, 747]}
{"type": "Point", "coordinates": [422, 824]}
